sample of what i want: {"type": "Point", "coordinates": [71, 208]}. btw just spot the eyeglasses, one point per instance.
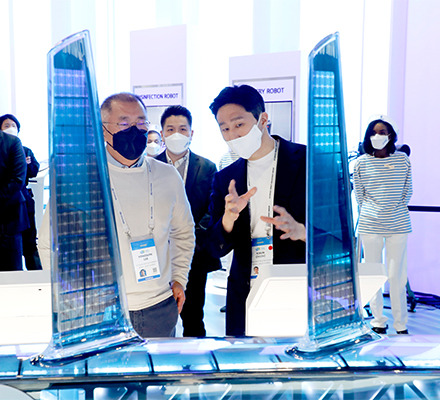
{"type": "Point", "coordinates": [125, 125]}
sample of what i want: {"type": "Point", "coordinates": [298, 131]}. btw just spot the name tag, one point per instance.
{"type": "Point", "coordinates": [262, 255]}
{"type": "Point", "coordinates": [144, 256]}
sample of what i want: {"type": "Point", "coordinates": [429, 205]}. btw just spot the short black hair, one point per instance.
{"type": "Point", "coordinates": [244, 95]}
{"type": "Point", "coordinates": [176, 110]}
{"type": "Point", "coordinates": [3, 118]}
{"type": "Point", "coordinates": [391, 145]}
{"type": "Point", "coordinates": [124, 97]}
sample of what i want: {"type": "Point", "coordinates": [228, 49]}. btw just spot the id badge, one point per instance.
{"type": "Point", "coordinates": [262, 255]}
{"type": "Point", "coordinates": [144, 255]}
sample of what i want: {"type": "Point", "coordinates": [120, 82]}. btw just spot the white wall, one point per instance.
{"type": "Point", "coordinates": [23, 71]}
{"type": "Point", "coordinates": [416, 102]}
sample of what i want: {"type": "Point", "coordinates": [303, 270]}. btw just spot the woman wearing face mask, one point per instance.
{"type": "Point", "coordinates": [383, 188]}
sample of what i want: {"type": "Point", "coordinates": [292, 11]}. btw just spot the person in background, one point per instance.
{"type": "Point", "coordinates": [383, 188]}
{"type": "Point", "coordinates": [154, 141]}
{"type": "Point", "coordinates": [227, 159]}
{"type": "Point", "coordinates": [9, 124]}
{"type": "Point", "coordinates": [260, 198]}
{"type": "Point", "coordinates": [197, 173]}
{"type": "Point", "coordinates": [152, 211]}
{"type": "Point", "coordinates": [13, 213]}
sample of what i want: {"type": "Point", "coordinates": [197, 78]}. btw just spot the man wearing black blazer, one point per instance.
{"type": "Point", "coordinates": [197, 173]}
{"type": "Point", "coordinates": [10, 124]}
{"type": "Point", "coordinates": [13, 211]}
{"type": "Point", "coordinates": [258, 203]}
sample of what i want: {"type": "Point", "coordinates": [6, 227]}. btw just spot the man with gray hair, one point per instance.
{"type": "Point", "coordinates": [152, 210]}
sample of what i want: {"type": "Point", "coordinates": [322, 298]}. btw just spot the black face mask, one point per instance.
{"type": "Point", "coordinates": [130, 143]}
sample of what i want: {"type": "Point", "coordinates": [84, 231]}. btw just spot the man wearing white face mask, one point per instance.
{"type": "Point", "coordinates": [258, 203]}
{"type": "Point", "coordinates": [197, 173]}
{"type": "Point", "coordinates": [10, 124]}
{"type": "Point", "coordinates": [13, 215]}
{"type": "Point", "coordinates": [154, 141]}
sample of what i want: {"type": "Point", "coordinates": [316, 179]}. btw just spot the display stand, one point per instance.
{"type": "Point", "coordinates": [25, 307]}
{"type": "Point", "coordinates": [277, 303]}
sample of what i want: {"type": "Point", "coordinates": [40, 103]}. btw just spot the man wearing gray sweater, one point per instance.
{"type": "Point", "coordinates": [152, 212]}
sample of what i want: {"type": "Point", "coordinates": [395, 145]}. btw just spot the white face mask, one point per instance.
{"type": "Point", "coordinates": [12, 130]}
{"type": "Point", "coordinates": [247, 145]}
{"type": "Point", "coordinates": [153, 149]}
{"type": "Point", "coordinates": [379, 141]}
{"type": "Point", "coordinates": [177, 143]}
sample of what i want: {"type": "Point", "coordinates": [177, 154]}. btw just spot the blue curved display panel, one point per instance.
{"type": "Point", "coordinates": [334, 315]}
{"type": "Point", "coordinates": [89, 305]}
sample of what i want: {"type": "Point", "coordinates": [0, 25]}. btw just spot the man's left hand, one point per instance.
{"type": "Point", "coordinates": [179, 295]}
{"type": "Point", "coordinates": [286, 223]}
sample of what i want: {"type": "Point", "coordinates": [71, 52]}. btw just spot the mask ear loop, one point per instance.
{"type": "Point", "coordinates": [110, 134]}
{"type": "Point", "coordinates": [107, 129]}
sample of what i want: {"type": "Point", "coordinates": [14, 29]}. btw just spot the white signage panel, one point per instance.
{"type": "Point", "coordinates": [160, 95]}
{"type": "Point", "coordinates": [279, 98]}
{"type": "Point", "coordinates": [272, 90]}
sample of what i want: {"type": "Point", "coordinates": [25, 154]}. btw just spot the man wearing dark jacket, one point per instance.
{"type": "Point", "coordinates": [197, 173]}
{"type": "Point", "coordinates": [258, 203]}
{"type": "Point", "coordinates": [13, 212]}
{"type": "Point", "coordinates": [10, 124]}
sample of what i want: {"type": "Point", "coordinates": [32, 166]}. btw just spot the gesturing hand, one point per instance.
{"type": "Point", "coordinates": [234, 204]}
{"type": "Point", "coordinates": [286, 223]}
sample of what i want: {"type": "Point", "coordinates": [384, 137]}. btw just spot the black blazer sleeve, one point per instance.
{"type": "Point", "coordinates": [290, 193]}
{"type": "Point", "coordinates": [33, 167]}
{"type": "Point", "coordinates": [12, 168]}
{"type": "Point", "coordinates": [198, 189]}
{"type": "Point", "coordinates": [13, 211]}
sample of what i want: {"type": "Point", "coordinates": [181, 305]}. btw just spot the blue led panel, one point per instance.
{"type": "Point", "coordinates": [334, 314]}
{"type": "Point", "coordinates": [129, 360]}
{"type": "Point", "coordinates": [89, 306]}
{"type": "Point", "coordinates": [9, 366]}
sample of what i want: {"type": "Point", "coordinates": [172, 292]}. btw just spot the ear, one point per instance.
{"type": "Point", "coordinates": [264, 119]}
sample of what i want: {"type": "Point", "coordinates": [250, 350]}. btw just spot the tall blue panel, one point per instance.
{"type": "Point", "coordinates": [90, 313]}
{"type": "Point", "coordinates": [334, 314]}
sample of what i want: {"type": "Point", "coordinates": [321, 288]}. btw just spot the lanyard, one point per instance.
{"type": "Point", "coordinates": [269, 227]}
{"type": "Point", "coordinates": [118, 207]}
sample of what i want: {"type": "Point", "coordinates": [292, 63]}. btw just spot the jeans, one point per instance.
{"type": "Point", "coordinates": [156, 321]}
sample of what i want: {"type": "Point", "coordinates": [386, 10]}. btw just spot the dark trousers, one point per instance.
{"type": "Point", "coordinates": [156, 321]}
{"type": "Point", "coordinates": [10, 252]}
{"type": "Point", "coordinates": [192, 312]}
{"type": "Point", "coordinates": [30, 251]}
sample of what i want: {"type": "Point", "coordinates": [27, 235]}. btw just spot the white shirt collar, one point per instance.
{"type": "Point", "coordinates": [180, 161]}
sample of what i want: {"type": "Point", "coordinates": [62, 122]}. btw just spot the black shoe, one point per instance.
{"type": "Point", "coordinates": [405, 332]}
{"type": "Point", "coordinates": [379, 330]}
{"type": "Point", "coordinates": [412, 304]}
{"type": "Point", "coordinates": [223, 309]}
